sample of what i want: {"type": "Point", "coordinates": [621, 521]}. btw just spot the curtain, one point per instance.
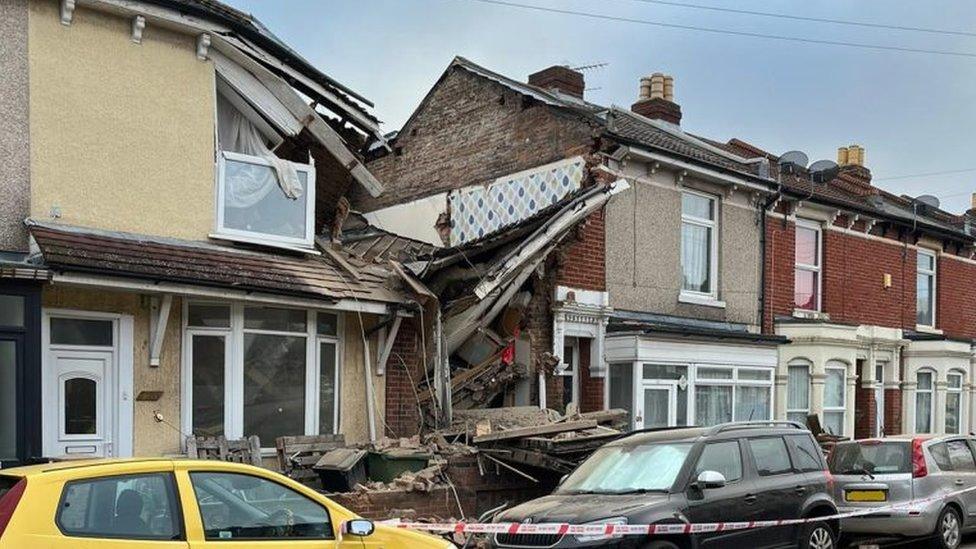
{"type": "Point", "coordinates": [923, 412]}
{"type": "Point", "coordinates": [713, 404]}
{"type": "Point", "coordinates": [952, 412]}
{"type": "Point", "coordinates": [798, 388]}
{"type": "Point", "coordinates": [251, 183]}
{"type": "Point", "coordinates": [834, 388]}
{"type": "Point", "coordinates": [695, 256]}
{"type": "Point", "coordinates": [752, 403]}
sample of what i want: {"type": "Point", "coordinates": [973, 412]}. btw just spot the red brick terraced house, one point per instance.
{"type": "Point", "coordinates": [655, 305]}
{"type": "Point", "coordinates": [876, 295]}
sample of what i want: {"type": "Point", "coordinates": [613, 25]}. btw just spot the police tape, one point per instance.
{"type": "Point", "coordinates": [616, 529]}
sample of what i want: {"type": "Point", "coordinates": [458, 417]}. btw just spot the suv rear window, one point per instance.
{"type": "Point", "coordinates": [875, 457]}
{"type": "Point", "coordinates": [806, 453]}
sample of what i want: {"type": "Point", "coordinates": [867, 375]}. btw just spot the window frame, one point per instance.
{"type": "Point", "coordinates": [806, 365]}
{"type": "Point", "coordinates": [713, 226]}
{"type": "Point", "coordinates": [933, 273]}
{"type": "Point", "coordinates": [842, 409]}
{"type": "Point", "coordinates": [817, 269]}
{"type": "Point", "coordinates": [221, 231]}
{"type": "Point", "coordinates": [931, 392]}
{"type": "Point", "coordinates": [950, 390]}
{"type": "Point", "coordinates": [234, 366]}
{"type": "Point", "coordinates": [196, 500]}
{"type": "Point", "coordinates": [734, 382]}
{"type": "Point", "coordinates": [172, 490]}
{"type": "Point", "coordinates": [26, 340]}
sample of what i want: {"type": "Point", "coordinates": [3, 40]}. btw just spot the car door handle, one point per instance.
{"type": "Point", "coordinates": [801, 490]}
{"type": "Point", "coordinates": [750, 498]}
{"type": "Point", "coordinates": [959, 482]}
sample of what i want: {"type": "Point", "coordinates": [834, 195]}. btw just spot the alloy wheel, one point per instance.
{"type": "Point", "coordinates": [821, 538]}
{"type": "Point", "coordinates": [950, 530]}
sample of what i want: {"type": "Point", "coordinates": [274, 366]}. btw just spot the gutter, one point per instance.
{"type": "Point", "coordinates": [750, 181]}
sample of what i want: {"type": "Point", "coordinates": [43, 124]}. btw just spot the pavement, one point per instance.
{"type": "Point", "coordinates": [968, 542]}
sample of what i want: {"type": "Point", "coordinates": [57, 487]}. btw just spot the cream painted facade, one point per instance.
{"type": "Point", "coordinates": [940, 358]}
{"type": "Point", "coordinates": [121, 134]}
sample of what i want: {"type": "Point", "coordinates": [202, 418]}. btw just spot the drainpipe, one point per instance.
{"type": "Point", "coordinates": [762, 253]}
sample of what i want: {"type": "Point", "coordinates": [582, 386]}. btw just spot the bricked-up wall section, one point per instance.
{"type": "Point", "coordinates": [865, 412]}
{"type": "Point", "coordinates": [591, 388]}
{"type": "Point", "coordinates": [404, 370]}
{"type": "Point", "coordinates": [472, 130]}
{"type": "Point", "coordinates": [582, 264]}
{"type": "Point", "coordinates": [955, 311]}
{"type": "Point", "coordinates": [780, 256]}
{"type": "Point", "coordinates": [892, 411]}
{"type": "Point", "coordinates": [853, 289]}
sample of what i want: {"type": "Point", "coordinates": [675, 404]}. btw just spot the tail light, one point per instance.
{"type": "Point", "coordinates": [919, 469]}
{"type": "Point", "coordinates": [830, 480]}
{"type": "Point", "coordinates": [9, 501]}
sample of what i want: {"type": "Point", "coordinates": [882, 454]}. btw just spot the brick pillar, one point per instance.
{"type": "Point", "coordinates": [892, 411]}
{"type": "Point", "coordinates": [865, 409]}
{"type": "Point", "coordinates": [404, 370]}
{"type": "Point", "coordinates": [591, 388]}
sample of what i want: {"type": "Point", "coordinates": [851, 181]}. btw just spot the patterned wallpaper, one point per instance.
{"type": "Point", "coordinates": [481, 210]}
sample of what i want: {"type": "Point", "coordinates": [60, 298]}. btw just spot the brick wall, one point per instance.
{"type": "Point", "coordinates": [583, 262]}
{"type": "Point", "coordinates": [591, 388]}
{"type": "Point", "coordinates": [471, 130]}
{"type": "Point", "coordinates": [779, 263]}
{"type": "Point", "coordinates": [955, 309]}
{"type": "Point", "coordinates": [853, 291]}
{"type": "Point", "coordinates": [865, 412]}
{"type": "Point", "coordinates": [892, 411]}
{"type": "Point", "coordinates": [404, 370]}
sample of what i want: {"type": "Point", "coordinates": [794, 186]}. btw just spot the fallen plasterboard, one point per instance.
{"type": "Point", "coordinates": [416, 219]}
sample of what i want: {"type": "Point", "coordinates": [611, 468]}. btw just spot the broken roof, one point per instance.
{"type": "Point", "coordinates": [74, 249]}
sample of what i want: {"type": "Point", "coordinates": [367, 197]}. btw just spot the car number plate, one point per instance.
{"type": "Point", "coordinates": [866, 495]}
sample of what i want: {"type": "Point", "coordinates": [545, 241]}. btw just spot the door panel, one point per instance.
{"type": "Point", "coordinates": [80, 399]}
{"type": "Point", "coordinates": [735, 502]}
{"type": "Point", "coordinates": [781, 492]}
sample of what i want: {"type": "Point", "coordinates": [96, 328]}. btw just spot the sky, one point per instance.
{"type": "Point", "coordinates": [914, 113]}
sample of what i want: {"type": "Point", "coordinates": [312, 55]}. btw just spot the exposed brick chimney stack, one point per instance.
{"type": "Point", "coordinates": [656, 99]}
{"type": "Point", "coordinates": [561, 78]}
{"type": "Point", "coordinates": [854, 175]}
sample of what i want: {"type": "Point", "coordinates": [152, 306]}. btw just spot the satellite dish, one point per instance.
{"type": "Point", "coordinates": [796, 158]}
{"type": "Point", "coordinates": [793, 161]}
{"type": "Point", "coordinates": [823, 171]}
{"type": "Point", "coordinates": [928, 200]}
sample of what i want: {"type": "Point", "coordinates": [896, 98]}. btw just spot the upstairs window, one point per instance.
{"type": "Point", "coordinates": [807, 283]}
{"type": "Point", "coordinates": [260, 197]}
{"type": "Point", "coordinates": [699, 252]}
{"type": "Point", "coordinates": [925, 289]}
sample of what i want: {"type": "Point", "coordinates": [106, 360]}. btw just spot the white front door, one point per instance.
{"type": "Point", "coordinates": [87, 384]}
{"type": "Point", "coordinates": [658, 406]}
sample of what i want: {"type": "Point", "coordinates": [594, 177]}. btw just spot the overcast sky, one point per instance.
{"type": "Point", "coordinates": [914, 113]}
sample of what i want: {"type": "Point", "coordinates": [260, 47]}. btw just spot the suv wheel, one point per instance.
{"type": "Point", "coordinates": [948, 530]}
{"type": "Point", "coordinates": [818, 535]}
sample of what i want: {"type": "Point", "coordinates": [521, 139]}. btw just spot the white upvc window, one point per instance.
{"type": "Point", "coordinates": [953, 412]}
{"type": "Point", "coordinates": [255, 370]}
{"type": "Point", "coordinates": [925, 288]}
{"type": "Point", "coordinates": [724, 394]}
{"type": "Point", "coordinates": [808, 279]}
{"type": "Point", "coordinates": [251, 206]}
{"type": "Point", "coordinates": [699, 245]}
{"type": "Point", "coordinates": [798, 391]}
{"type": "Point", "coordinates": [835, 399]}
{"type": "Point", "coordinates": [924, 409]}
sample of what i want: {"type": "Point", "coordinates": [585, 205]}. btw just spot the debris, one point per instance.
{"type": "Point", "coordinates": [341, 469]}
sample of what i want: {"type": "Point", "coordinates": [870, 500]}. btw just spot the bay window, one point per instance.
{"type": "Point", "coordinates": [725, 394]}
{"type": "Point", "coordinates": [925, 289]}
{"type": "Point", "coordinates": [699, 253]}
{"type": "Point", "coordinates": [835, 398]}
{"type": "Point", "coordinates": [807, 279]}
{"type": "Point", "coordinates": [262, 371]}
{"type": "Point", "coordinates": [923, 401]}
{"type": "Point", "coordinates": [953, 412]}
{"type": "Point", "coordinates": [798, 392]}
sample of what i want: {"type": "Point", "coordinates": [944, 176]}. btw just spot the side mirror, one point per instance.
{"type": "Point", "coordinates": [710, 479]}
{"type": "Point", "coordinates": [358, 527]}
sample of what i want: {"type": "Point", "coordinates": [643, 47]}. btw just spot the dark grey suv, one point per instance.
{"type": "Point", "coordinates": [732, 472]}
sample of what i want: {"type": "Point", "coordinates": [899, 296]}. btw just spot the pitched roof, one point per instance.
{"type": "Point", "coordinates": [76, 249]}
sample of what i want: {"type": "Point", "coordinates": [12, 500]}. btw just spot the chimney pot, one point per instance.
{"type": "Point", "coordinates": [561, 78]}
{"type": "Point", "coordinates": [973, 201]}
{"type": "Point", "coordinates": [852, 155]}
{"type": "Point", "coordinates": [656, 99]}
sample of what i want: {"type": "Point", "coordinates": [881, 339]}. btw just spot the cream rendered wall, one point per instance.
{"type": "Point", "coordinates": [353, 421]}
{"type": "Point", "coordinates": [150, 437]}
{"type": "Point", "coordinates": [646, 275]}
{"type": "Point", "coordinates": [122, 134]}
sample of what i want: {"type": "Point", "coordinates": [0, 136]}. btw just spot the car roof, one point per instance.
{"type": "Point", "coordinates": [123, 464]}
{"type": "Point", "coordinates": [718, 432]}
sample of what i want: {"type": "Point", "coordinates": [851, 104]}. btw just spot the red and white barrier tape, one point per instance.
{"type": "Point", "coordinates": [649, 529]}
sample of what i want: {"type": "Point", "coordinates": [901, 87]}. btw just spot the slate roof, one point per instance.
{"type": "Point", "coordinates": [75, 249]}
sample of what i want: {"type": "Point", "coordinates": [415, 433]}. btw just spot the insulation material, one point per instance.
{"type": "Point", "coordinates": [481, 210]}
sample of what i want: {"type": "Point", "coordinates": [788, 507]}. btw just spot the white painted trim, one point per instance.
{"type": "Point", "coordinates": [934, 273]}
{"type": "Point", "coordinates": [100, 281]}
{"type": "Point", "coordinates": [387, 347]}
{"type": "Point", "coordinates": [714, 226]}
{"type": "Point", "coordinates": [159, 321]}
{"type": "Point", "coordinates": [704, 173]}
{"type": "Point", "coordinates": [692, 298]}
{"type": "Point", "coordinates": [818, 268]}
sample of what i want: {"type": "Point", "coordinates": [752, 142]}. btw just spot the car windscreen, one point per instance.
{"type": "Point", "coordinates": [622, 469]}
{"type": "Point", "coordinates": [871, 456]}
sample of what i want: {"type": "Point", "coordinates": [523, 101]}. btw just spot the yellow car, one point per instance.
{"type": "Point", "coordinates": [178, 504]}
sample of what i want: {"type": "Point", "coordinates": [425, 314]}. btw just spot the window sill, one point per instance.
{"type": "Point", "coordinates": [928, 329]}
{"type": "Point", "coordinates": [810, 315]}
{"type": "Point", "coordinates": [707, 301]}
{"type": "Point", "coordinates": [261, 242]}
